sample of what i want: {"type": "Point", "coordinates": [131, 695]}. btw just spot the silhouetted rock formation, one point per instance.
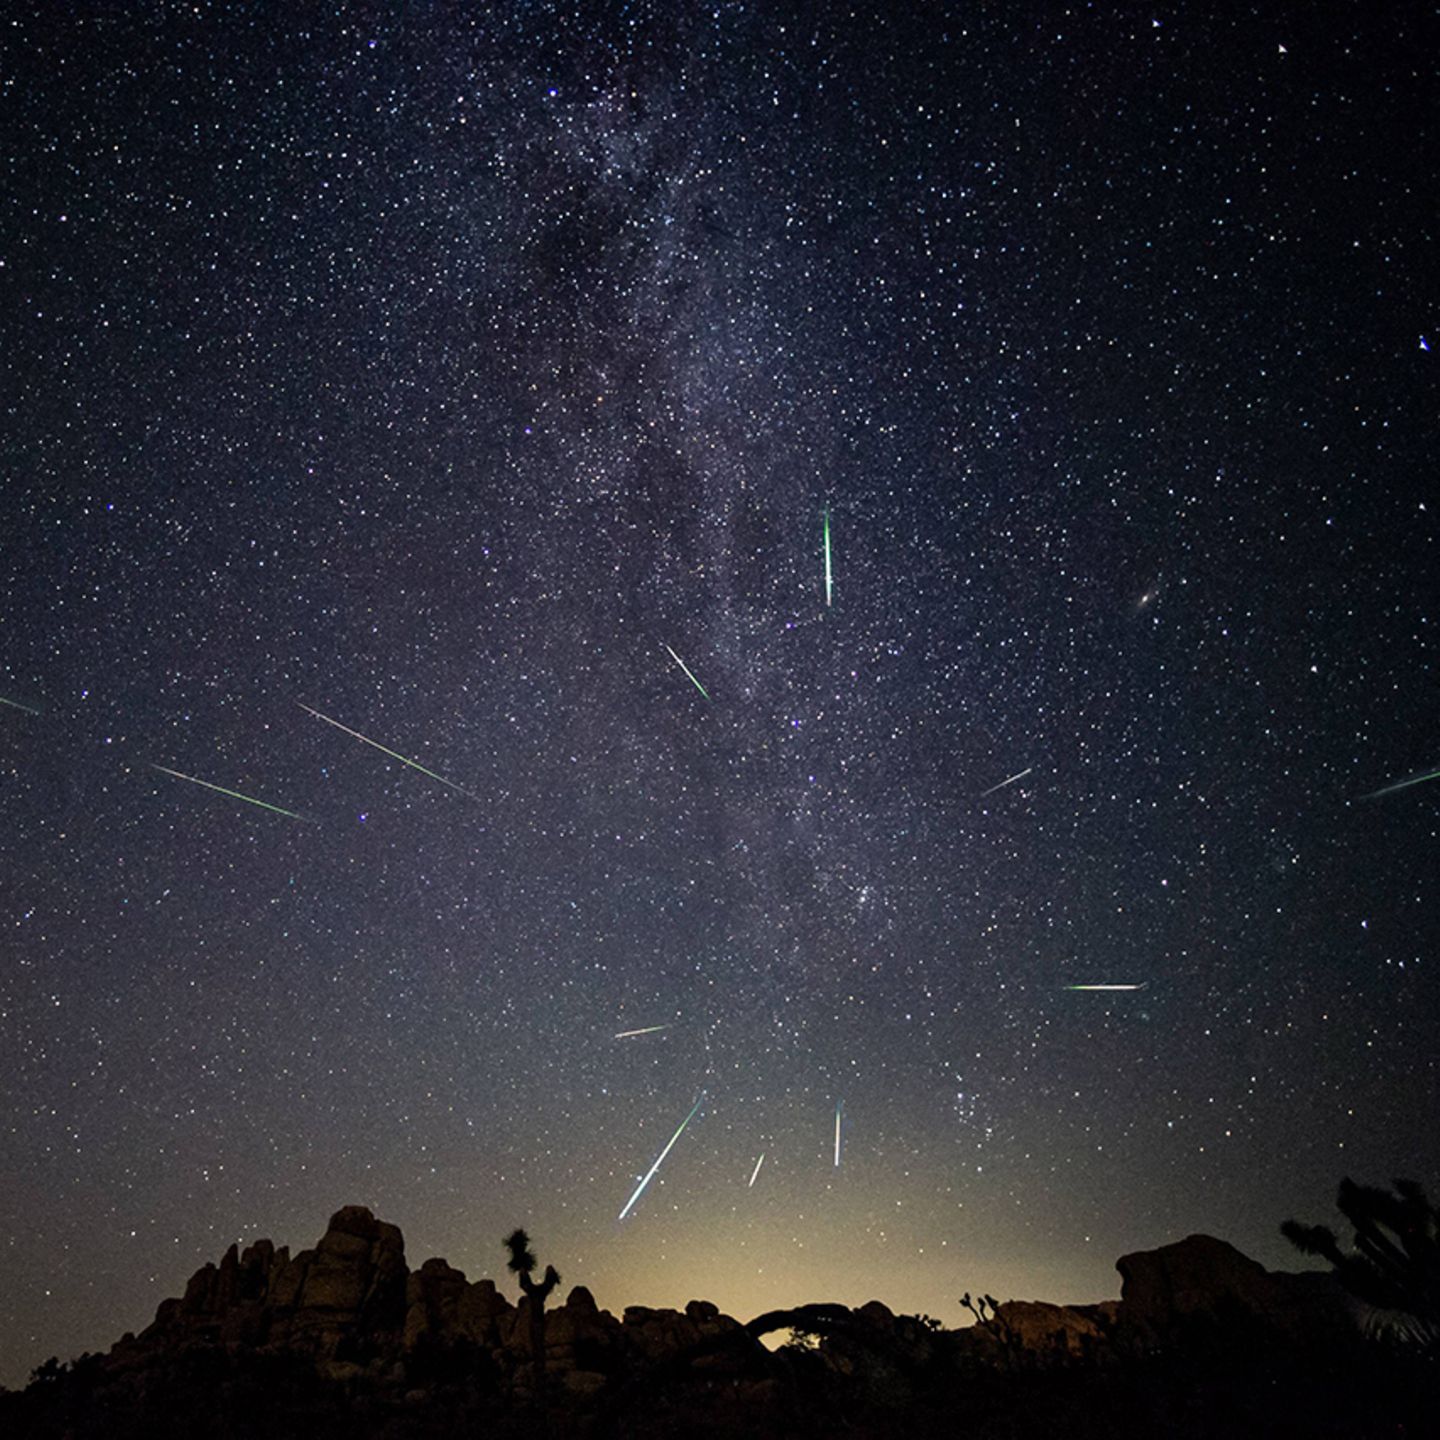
{"type": "Point", "coordinates": [354, 1282]}
{"type": "Point", "coordinates": [345, 1340]}
{"type": "Point", "coordinates": [1040, 1328]}
{"type": "Point", "coordinates": [1201, 1277]}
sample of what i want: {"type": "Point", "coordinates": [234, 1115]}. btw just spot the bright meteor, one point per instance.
{"type": "Point", "coordinates": [829, 586]}
{"type": "Point", "coordinates": [393, 754]}
{"type": "Point", "coordinates": [686, 669]}
{"type": "Point", "coordinates": [1004, 783]}
{"type": "Point", "coordinates": [1140, 986]}
{"type": "Point", "coordinates": [234, 794]}
{"type": "Point", "coordinates": [1401, 785]}
{"type": "Point", "coordinates": [839, 1105]}
{"type": "Point", "coordinates": [650, 1174]}
{"type": "Point", "coordinates": [648, 1030]}
{"type": "Point", "coordinates": [756, 1171]}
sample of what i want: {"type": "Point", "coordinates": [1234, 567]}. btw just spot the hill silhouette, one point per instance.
{"type": "Point", "coordinates": [344, 1339]}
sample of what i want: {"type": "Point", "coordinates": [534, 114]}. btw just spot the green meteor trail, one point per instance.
{"type": "Point", "coordinates": [650, 1174]}
{"type": "Point", "coordinates": [686, 669]}
{"type": "Point", "coordinates": [829, 585]}
{"type": "Point", "coordinates": [1141, 986]}
{"type": "Point", "coordinates": [393, 754]}
{"type": "Point", "coordinates": [234, 794]}
{"type": "Point", "coordinates": [1402, 785]}
{"type": "Point", "coordinates": [16, 705]}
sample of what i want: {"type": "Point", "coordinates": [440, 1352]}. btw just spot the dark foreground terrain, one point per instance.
{"type": "Point", "coordinates": [346, 1341]}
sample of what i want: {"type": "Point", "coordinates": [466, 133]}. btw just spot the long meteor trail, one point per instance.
{"type": "Point", "coordinates": [1004, 783]}
{"type": "Point", "coordinates": [1401, 785]}
{"type": "Point", "coordinates": [755, 1173]}
{"type": "Point", "coordinates": [16, 705]}
{"type": "Point", "coordinates": [686, 669]}
{"type": "Point", "coordinates": [648, 1030]}
{"type": "Point", "coordinates": [1140, 986]}
{"type": "Point", "coordinates": [234, 794]}
{"type": "Point", "coordinates": [839, 1105]}
{"type": "Point", "coordinates": [393, 754]}
{"type": "Point", "coordinates": [829, 583]}
{"type": "Point", "coordinates": [650, 1174]}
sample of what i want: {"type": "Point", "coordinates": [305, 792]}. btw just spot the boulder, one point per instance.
{"type": "Point", "coordinates": [1205, 1279]}
{"type": "Point", "coordinates": [356, 1278]}
{"type": "Point", "coordinates": [227, 1280]}
{"type": "Point", "coordinates": [480, 1311]}
{"type": "Point", "coordinates": [432, 1303]}
{"type": "Point", "coordinates": [287, 1278]}
{"type": "Point", "coordinates": [199, 1298]}
{"type": "Point", "coordinates": [580, 1299]}
{"type": "Point", "coordinates": [256, 1264]}
{"type": "Point", "coordinates": [1044, 1329]}
{"type": "Point", "coordinates": [581, 1336]}
{"type": "Point", "coordinates": [658, 1333]}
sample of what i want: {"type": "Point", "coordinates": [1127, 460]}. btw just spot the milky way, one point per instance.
{"type": "Point", "coordinates": [1019, 428]}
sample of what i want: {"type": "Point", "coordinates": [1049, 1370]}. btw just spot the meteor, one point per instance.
{"type": "Point", "coordinates": [1140, 986]}
{"type": "Point", "coordinates": [234, 794]}
{"type": "Point", "coordinates": [839, 1105]}
{"type": "Point", "coordinates": [1004, 783]}
{"type": "Point", "coordinates": [648, 1030]}
{"type": "Point", "coordinates": [393, 754]}
{"type": "Point", "coordinates": [829, 586]}
{"type": "Point", "coordinates": [686, 669]}
{"type": "Point", "coordinates": [650, 1174]}
{"type": "Point", "coordinates": [16, 705]}
{"type": "Point", "coordinates": [1401, 785]}
{"type": "Point", "coordinates": [756, 1171]}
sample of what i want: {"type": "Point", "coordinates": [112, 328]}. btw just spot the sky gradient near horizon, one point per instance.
{"type": "Point", "coordinates": [487, 383]}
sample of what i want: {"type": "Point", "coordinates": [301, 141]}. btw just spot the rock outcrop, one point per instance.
{"type": "Point", "coordinates": [1205, 1279]}
{"type": "Point", "coordinates": [351, 1302]}
{"type": "Point", "coordinates": [444, 1351]}
{"type": "Point", "coordinates": [353, 1282]}
{"type": "Point", "coordinates": [353, 1296]}
{"type": "Point", "coordinates": [1061, 1330]}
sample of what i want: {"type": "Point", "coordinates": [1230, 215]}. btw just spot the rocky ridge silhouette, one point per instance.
{"type": "Point", "coordinates": [350, 1337]}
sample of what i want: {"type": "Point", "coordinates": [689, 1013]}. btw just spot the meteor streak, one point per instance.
{"type": "Point", "coordinates": [1140, 986]}
{"type": "Point", "coordinates": [829, 587]}
{"type": "Point", "coordinates": [15, 704]}
{"type": "Point", "coordinates": [686, 669]}
{"type": "Point", "coordinates": [648, 1030]}
{"type": "Point", "coordinates": [756, 1171]}
{"type": "Point", "coordinates": [650, 1174]}
{"type": "Point", "coordinates": [839, 1105]}
{"type": "Point", "coordinates": [1004, 783]}
{"type": "Point", "coordinates": [234, 794]}
{"type": "Point", "coordinates": [393, 754]}
{"type": "Point", "coordinates": [1401, 785]}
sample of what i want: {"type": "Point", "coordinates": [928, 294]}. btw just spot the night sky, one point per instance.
{"type": "Point", "coordinates": [443, 370]}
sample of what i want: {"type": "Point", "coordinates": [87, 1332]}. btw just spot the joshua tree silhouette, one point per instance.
{"type": "Point", "coordinates": [522, 1262]}
{"type": "Point", "coordinates": [1396, 1261]}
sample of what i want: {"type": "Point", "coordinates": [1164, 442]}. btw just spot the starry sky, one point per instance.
{"type": "Point", "coordinates": [458, 372]}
